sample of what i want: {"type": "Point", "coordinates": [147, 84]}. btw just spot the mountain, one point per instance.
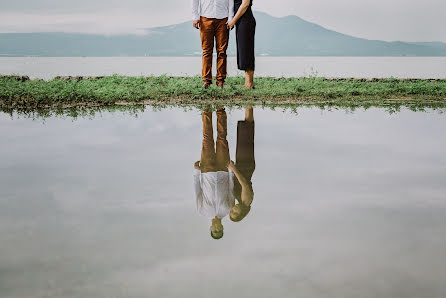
{"type": "Point", "coordinates": [287, 36]}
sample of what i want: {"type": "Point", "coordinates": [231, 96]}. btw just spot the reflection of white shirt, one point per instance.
{"type": "Point", "coordinates": [213, 9]}
{"type": "Point", "coordinates": [213, 192]}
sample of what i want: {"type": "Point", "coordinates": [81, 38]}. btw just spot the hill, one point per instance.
{"type": "Point", "coordinates": [287, 36]}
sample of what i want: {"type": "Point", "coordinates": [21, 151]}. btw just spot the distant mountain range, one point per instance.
{"type": "Point", "coordinates": [287, 36]}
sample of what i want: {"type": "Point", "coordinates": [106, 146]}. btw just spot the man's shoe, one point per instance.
{"type": "Point", "coordinates": [206, 86]}
{"type": "Point", "coordinates": [221, 85]}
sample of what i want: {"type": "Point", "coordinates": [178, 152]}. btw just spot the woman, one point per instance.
{"type": "Point", "coordinates": [245, 30]}
{"type": "Point", "coordinates": [244, 167]}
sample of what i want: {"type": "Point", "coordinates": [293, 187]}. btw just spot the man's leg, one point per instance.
{"type": "Point", "coordinates": [222, 143]}
{"type": "Point", "coordinates": [207, 150]}
{"type": "Point", "coordinates": [207, 29]}
{"type": "Point", "coordinates": [222, 40]}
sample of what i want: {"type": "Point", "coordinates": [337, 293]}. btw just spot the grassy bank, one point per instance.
{"type": "Point", "coordinates": [20, 93]}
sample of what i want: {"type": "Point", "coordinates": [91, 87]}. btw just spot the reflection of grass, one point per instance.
{"type": "Point", "coordinates": [19, 93]}
{"type": "Point", "coordinates": [135, 110]}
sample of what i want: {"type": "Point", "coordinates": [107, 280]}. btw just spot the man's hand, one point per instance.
{"type": "Point", "coordinates": [197, 165]}
{"type": "Point", "coordinates": [230, 24]}
{"type": "Point", "coordinates": [231, 165]}
{"type": "Point", "coordinates": [196, 24]}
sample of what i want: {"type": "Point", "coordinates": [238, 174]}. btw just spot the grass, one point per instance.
{"type": "Point", "coordinates": [20, 93]}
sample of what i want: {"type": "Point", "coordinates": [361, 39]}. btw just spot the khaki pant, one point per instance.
{"type": "Point", "coordinates": [211, 29]}
{"type": "Point", "coordinates": [214, 160]}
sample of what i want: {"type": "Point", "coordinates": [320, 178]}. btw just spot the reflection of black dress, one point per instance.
{"type": "Point", "coordinates": [244, 161]}
{"type": "Point", "coordinates": [245, 31]}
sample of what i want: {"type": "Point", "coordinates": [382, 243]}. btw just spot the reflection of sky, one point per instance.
{"type": "Point", "coordinates": [346, 205]}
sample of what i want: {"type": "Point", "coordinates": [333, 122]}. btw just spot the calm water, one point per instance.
{"type": "Point", "coordinates": [367, 67]}
{"type": "Point", "coordinates": [345, 205]}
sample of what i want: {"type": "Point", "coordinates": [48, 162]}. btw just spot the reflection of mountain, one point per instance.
{"type": "Point", "coordinates": [288, 36]}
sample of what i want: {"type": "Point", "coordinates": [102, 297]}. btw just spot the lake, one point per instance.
{"type": "Point", "coordinates": [346, 204]}
{"type": "Point", "coordinates": [364, 67]}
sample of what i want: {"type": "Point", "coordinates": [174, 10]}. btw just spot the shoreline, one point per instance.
{"type": "Point", "coordinates": [21, 93]}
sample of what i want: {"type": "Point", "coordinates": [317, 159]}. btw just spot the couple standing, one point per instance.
{"type": "Point", "coordinates": [214, 19]}
{"type": "Point", "coordinates": [218, 182]}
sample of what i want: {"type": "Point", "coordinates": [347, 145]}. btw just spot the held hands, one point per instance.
{"type": "Point", "coordinates": [196, 24]}
{"type": "Point", "coordinates": [230, 24]}
{"type": "Point", "coordinates": [231, 165]}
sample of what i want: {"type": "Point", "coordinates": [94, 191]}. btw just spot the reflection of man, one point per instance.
{"type": "Point", "coordinates": [244, 167]}
{"type": "Point", "coordinates": [211, 17]}
{"type": "Point", "coordinates": [213, 181]}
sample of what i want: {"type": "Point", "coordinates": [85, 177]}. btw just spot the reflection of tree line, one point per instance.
{"type": "Point", "coordinates": [223, 187]}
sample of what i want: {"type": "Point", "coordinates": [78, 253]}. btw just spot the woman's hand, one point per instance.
{"type": "Point", "coordinates": [231, 165]}
{"type": "Point", "coordinates": [230, 24]}
{"type": "Point", "coordinates": [197, 165]}
{"type": "Point", "coordinates": [240, 12]}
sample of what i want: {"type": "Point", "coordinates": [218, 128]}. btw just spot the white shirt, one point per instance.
{"type": "Point", "coordinates": [213, 192]}
{"type": "Point", "coordinates": [213, 9]}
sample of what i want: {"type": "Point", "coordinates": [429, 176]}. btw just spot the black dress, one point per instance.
{"type": "Point", "coordinates": [244, 157]}
{"type": "Point", "coordinates": [245, 30]}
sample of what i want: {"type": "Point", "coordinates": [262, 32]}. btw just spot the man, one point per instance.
{"type": "Point", "coordinates": [211, 17]}
{"type": "Point", "coordinates": [212, 180]}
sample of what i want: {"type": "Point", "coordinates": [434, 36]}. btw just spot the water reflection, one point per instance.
{"type": "Point", "coordinates": [244, 167]}
{"type": "Point", "coordinates": [218, 181]}
{"type": "Point", "coordinates": [346, 205]}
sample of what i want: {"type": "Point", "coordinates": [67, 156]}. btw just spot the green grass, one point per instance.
{"type": "Point", "coordinates": [19, 93]}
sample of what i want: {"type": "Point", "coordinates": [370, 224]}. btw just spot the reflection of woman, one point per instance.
{"type": "Point", "coordinates": [244, 167]}
{"type": "Point", "coordinates": [245, 33]}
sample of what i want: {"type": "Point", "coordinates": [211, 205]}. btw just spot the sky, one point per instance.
{"type": "Point", "coordinates": [405, 20]}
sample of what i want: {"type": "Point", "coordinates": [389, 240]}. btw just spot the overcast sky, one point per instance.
{"type": "Point", "coordinates": [406, 20]}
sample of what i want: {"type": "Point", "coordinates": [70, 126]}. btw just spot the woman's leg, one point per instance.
{"type": "Point", "coordinates": [244, 156]}
{"type": "Point", "coordinates": [249, 114]}
{"type": "Point", "coordinates": [249, 78]}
